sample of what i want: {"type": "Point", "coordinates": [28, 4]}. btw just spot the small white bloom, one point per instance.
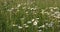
{"type": "Point", "coordinates": [32, 8]}
{"type": "Point", "coordinates": [56, 8]}
{"type": "Point", "coordinates": [39, 30]}
{"type": "Point", "coordinates": [39, 27]}
{"type": "Point", "coordinates": [46, 24]}
{"type": "Point", "coordinates": [19, 5]}
{"type": "Point", "coordinates": [9, 10]}
{"type": "Point", "coordinates": [18, 10]}
{"type": "Point", "coordinates": [29, 22]}
{"type": "Point", "coordinates": [23, 7]}
{"type": "Point", "coordinates": [12, 8]}
{"type": "Point", "coordinates": [50, 24]}
{"type": "Point", "coordinates": [14, 25]}
{"type": "Point", "coordinates": [28, 8]}
{"type": "Point", "coordinates": [47, 13]}
{"type": "Point", "coordinates": [51, 10]}
{"type": "Point", "coordinates": [20, 27]}
{"type": "Point", "coordinates": [26, 12]}
{"type": "Point", "coordinates": [35, 23]}
{"type": "Point", "coordinates": [42, 11]}
{"type": "Point", "coordinates": [33, 20]}
{"type": "Point", "coordinates": [22, 18]}
{"type": "Point", "coordinates": [26, 26]}
{"type": "Point", "coordinates": [42, 26]}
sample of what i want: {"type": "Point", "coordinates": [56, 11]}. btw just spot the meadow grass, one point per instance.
{"type": "Point", "coordinates": [29, 15]}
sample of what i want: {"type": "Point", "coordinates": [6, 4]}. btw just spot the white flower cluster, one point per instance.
{"type": "Point", "coordinates": [51, 24]}
{"type": "Point", "coordinates": [20, 27]}
{"type": "Point", "coordinates": [53, 11]}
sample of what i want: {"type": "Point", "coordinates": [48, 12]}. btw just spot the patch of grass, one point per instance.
{"type": "Point", "coordinates": [29, 16]}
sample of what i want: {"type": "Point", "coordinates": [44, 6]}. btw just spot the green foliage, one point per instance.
{"type": "Point", "coordinates": [29, 16]}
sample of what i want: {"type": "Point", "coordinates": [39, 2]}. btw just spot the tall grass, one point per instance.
{"type": "Point", "coordinates": [29, 15]}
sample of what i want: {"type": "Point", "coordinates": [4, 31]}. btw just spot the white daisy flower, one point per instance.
{"type": "Point", "coordinates": [37, 18]}
{"type": "Point", "coordinates": [35, 23]}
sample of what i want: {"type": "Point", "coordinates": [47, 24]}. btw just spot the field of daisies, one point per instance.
{"type": "Point", "coordinates": [29, 15]}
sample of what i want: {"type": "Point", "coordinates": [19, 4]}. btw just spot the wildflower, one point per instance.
{"type": "Point", "coordinates": [12, 8]}
{"type": "Point", "coordinates": [51, 10]}
{"type": "Point", "coordinates": [42, 11]}
{"type": "Point", "coordinates": [39, 27]}
{"type": "Point", "coordinates": [35, 23]}
{"type": "Point", "coordinates": [37, 18]}
{"type": "Point", "coordinates": [33, 20]}
{"type": "Point", "coordinates": [18, 10]}
{"type": "Point", "coordinates": [26, 26]}
{"type": "Point", "coordinates": [25, 3]}
{"type": "Point", "coordinates": [43, 26]}
{"type": "Point", "coordinates": [9, 10]}
{"type": "Point", "coordinates": [22, 18]}
{"type": "Point", "coordinates": [14, 25]}
{"type": "Point", "coordinates": [33, 9]}
{"type": "Point", "coordinates": [19, 5]}
{"type": "Point", "coordinates": [57, 14]}
{"type": "Point", "coordinates": [51, 24]}
{"type": "Point", "coordinates": [46, 24]}
{"type": "Point", "coordinates": [20, 27]}
{"type": "Point", "coordinates": [47, 13]}
{"type": "Point", "coordinates": [23, 7]}
{"type": "Point", "coordinates": [29, 22]}
{"type": "Point", "coordinates": [39, 30]}
{"type": "Point", "coordinates": [28, 8]}
{"type": "Point", "coordinates": [55, 8]}
{"type": "Point", "coordinates": [26, 12]}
